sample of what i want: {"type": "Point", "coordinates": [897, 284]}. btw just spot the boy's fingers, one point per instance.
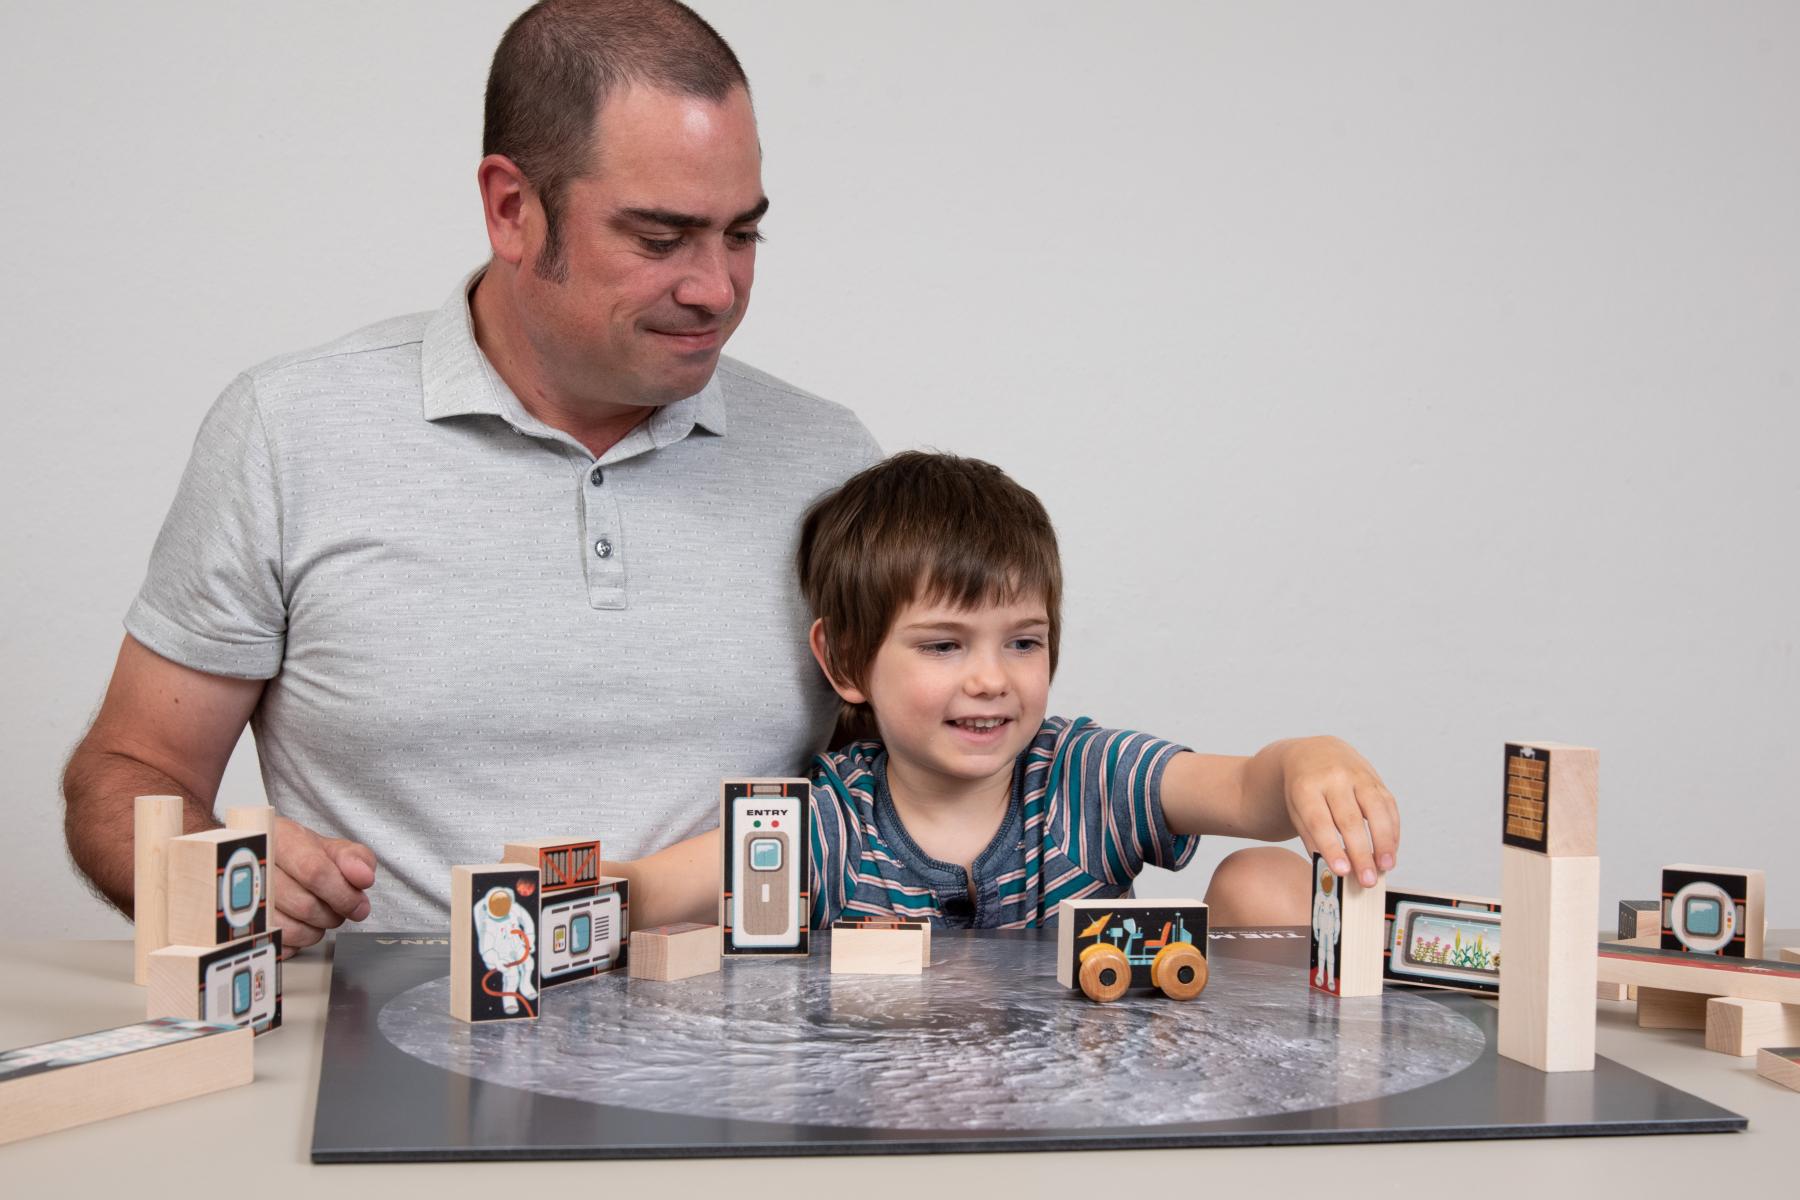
{"type": "Point", "coordinates": [1383, 816]}
{"type": "Point", "coordinates": [1349, 818]}
{"type": "Point", "coordinates": [1323, 836]}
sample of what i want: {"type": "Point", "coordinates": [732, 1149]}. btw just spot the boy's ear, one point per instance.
{"type": "Point", "coordinates": [815, 637]}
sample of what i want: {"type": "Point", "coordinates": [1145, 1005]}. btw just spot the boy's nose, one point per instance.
{"type": "Point", "coordinates": [985, 678]}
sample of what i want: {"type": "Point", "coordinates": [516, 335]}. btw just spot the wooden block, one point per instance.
{"type": "Point", "coordinates": [1610, 991]}
{"type": "Point", "coordinates": [253, 818]}
{"type": "Point", "coordinates": [1705, 974]}
{"type": "Point", "coordinates": [563, 864]}
{"type": "Point", "coordinates": [880, 946]}
{"type": "Point", "coordinates": [765, 904]}
{"type": "Point", "coordinates": [238, 983]}
{"type": "Point", "coordinates": [1662, 1009]}
{"type": "Point", "coordinates": [218, 887]}
{"type": "Point", "coordinates": [1781, 1065]}
{"type": "Point", "coordinates": [1639, 918]}
{"type": "Point", "coordinates": [1548, 972]}
{"type": "Point", "coordinates": [98, 1075]}
{"type": "Point", "coordinates": [670, 952]}
{"type": "Point", "coordinates": [1788, 954]}
{"type": "Point", "coordinates": [1349, 933]}
{"type": "Point", "coordinates": [1552, 794]}
{"type": "Point", "coordinates": [494, 911]}
{"type": "Point", "coordinates": [1713, 910]}
{"type": "Point", "coordinates": [156, 821]}
{"type": "Point", "coordinates": [1441, 939]}
{"type": "Point", "coordinates": [1741, 1027]}
{"type": "Point", "coordinates": [1107, 947]}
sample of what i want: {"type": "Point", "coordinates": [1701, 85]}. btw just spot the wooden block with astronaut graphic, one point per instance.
{"type": "Point", "coordinates": [1551, 799]}
{"type": "Point", "coordinates": [1713, 910]}
{"type": "Point", "coordinates": [238, 983]}
{"type": "Point", "coordinates": [494, 910]}
{"type": "Point", "coordinates": [218, 887]}
{"type": "Point", "coordinates": [1349, 932]}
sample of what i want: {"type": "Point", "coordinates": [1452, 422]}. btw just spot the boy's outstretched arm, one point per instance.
{"type": "Point", "coordinates": [678, 883]}
{"type": "Point", "coordinates": [1318, 788]}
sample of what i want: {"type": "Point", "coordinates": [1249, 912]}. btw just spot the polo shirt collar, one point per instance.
{"type": "Point", "coordinates": [459, 381]}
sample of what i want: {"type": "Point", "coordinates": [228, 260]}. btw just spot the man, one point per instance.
{"type": "Point", "coordinates": [522, 566]}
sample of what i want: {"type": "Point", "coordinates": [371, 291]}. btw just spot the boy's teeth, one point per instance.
{"type": "Point", "coordinates": [985, 723]}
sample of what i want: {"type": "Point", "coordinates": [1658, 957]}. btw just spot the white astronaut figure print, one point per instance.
{"type": "Point", "coordinates": [506, 939]}
{"type": "Point", "coordinates": [1326, 921]}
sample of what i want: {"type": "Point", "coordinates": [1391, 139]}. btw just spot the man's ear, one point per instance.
{"type": "Point", "coordinates": [815, 637]}
{"type": "Point", "coordinates": [509, 206]}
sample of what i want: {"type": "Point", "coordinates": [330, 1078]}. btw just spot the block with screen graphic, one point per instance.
{"type": "Point", "coordinates": [1442, 939]}
{"type": "Point", "coordinates": [494, 929]}
{"type": "Point", "coordinates": [238, 983]}
{"type": "Point", "coordinates": [766, 904]}
{"type": "Point", "coordinates": [585, 920]}
{"type": "Point", "coordinates": [1713, 910]}
{"type": "Point", "coordinates": [1551, 797]}
{"type": "Point", "coordinates": [218, 887]}
{"type": "Point", "coordinates": [1107, 947]}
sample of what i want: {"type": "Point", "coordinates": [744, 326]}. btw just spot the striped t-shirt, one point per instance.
{"type": "Point", "coordinates": [1085, 819]}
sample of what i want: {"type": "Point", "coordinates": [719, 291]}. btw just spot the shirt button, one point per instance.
{"type": "Point", "coordinates": [596, 477]}
{"type": "Point", "coordinates": [603, 548]}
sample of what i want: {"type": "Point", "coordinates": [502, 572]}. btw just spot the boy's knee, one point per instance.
{"type": "Point", "coordinates": [1266, 885]}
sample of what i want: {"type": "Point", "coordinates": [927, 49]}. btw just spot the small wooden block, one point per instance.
{"type": "Point", "coordinates": [670, 952]}
{"type": "Point", "coordinates": [1788, 954]}
{"type": "Point", "coordinates": [562, 863]}
{"type": "Point", "coordinates": [218, 887]}
{"type": "Point", "coordinates": [1349, 932]}
{"type": "Point", "coordinates": [880, 946]}
{"type": "Point", "coordinates": [1741, 1027]}
{"type": "Point", "coordinates": [62, 1084]}
{"type": "Point", "coordinates": [1551, 796]}
{"type": "Point", "coordinates": [156, 821]}
{"type": "Point", "coordinates": [1610, 991]}
{"type": "Point", "coordinates": [1548, 970]}
{"type": "Point", "coordinates": [1781, 1065]}
{"type": "Point", "coordinates": [1659, 1008]}
{"type": "Point", "coordinates": [1639, 918]}
{"type": "Point", "coordinates": [238, 983]}
{"type": "Point", "coordinates": [494, 909]}
{"type": "Point", "coordinates": [1713, 910]}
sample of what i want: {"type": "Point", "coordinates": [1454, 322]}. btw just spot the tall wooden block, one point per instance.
{"type": "Point", "coordinates": [1349, 932]}
{"type": "Point", "coordinates": [1659, 1008]}
{"type": "Point", "coordinates": [58, 1085]}
{"type": "Point", "coordinates": [238, 983]}
{"type": "Point", "coordinates": [1779, 1064]}
{"type": "Point", "coordinates": [1548, 973]}
{"type": "Point", "coordinates": [880, 946]}
{"type": "Point", "coordinates": [1551, 799]}
{"type": "Point", "coordinates": [253, 818]}
{"type": "Point", "coordinates": [156, 821]}
{"type": "Point", "coordinates": [766, 901]}
{"type": "Point", "coordinates": [218, 887]}
{"type": "Point", "coordinates": [494, 909]}
{"type": "Point", "coordinates": [1741, 1027]}
{"type": "Point", "coordinates": [1713, 910]}
{"type": "Point", "coordinates": [670, 952]}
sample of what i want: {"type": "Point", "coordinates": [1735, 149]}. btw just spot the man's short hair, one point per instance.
{"type": "Point", "coordinates": [555, 68]}
{"type": "Point", "coordinates": [932, 528]}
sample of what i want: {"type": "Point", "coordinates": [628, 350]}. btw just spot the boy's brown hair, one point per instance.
{"type": "Point", "coordinates": [929, 527]}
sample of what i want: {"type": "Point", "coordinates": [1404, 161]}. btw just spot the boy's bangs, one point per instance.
{"type": "Point", "coordinates": [969, 581]}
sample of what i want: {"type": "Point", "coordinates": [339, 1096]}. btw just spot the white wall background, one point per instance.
{"type": "Point", "coordinates": [1421, 373]}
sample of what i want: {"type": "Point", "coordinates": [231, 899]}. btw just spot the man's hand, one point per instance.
{"type": "Point", "coordinates": [318, 883]}
{"type": "Point", "coordinates": [1339, 806]}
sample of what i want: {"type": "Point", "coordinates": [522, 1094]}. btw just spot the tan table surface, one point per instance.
{"type": "Point", "coordinates": [56, 989]}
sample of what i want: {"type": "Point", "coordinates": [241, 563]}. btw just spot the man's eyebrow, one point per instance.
{"type": "Point", "coordinates": [671, 219]}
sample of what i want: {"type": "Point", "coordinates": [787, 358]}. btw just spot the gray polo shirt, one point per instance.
{"type": "Point", "coordinates": [475, 631]}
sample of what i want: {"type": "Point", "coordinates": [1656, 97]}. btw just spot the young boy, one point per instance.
{"type": "Point", "coordinates": [937, 588]}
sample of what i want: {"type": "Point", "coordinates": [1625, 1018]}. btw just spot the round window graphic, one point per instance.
{"type": "Point", "coordinates": [240, 888]}
{"type": "Point", "coordinates": [1703, 917]}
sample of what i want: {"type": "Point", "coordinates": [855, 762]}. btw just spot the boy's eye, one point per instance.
{"type": "Point", "coordinates": [1027, 644]}
{"type": "Point", "coordinates": [937, 647]}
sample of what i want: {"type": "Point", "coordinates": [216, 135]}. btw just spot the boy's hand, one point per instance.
{"type": "Point", "coordinates": [1340, 807]}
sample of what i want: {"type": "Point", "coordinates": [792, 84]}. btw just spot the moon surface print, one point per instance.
{"type": "Point", "coordinates": [984, 1039]}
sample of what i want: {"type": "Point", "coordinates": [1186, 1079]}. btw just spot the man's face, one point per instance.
{"type": "Point", "coordinates": [658, 252]}
{"type": "Point", "coordinates": [958, 693]}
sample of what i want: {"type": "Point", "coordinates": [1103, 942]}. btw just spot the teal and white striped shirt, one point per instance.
{"type": "Point", "coordinates": [1086, 818]}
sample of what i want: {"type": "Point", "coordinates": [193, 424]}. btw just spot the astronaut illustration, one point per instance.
{"type": "Point", "coordinates": [506, 939]}
{"type": "Point", "coordinates": [1326, 921]}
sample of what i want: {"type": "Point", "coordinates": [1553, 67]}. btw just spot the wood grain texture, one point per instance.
{"type": "Point", "coordinates": [667, 953]}
{"type": "Point", "coordinates": [1781, 1065]}
{"type": "Point", "coordinates": [1741, 1027]}
{"type": "Point", "coordinates": [1547, 966]}
{"type": "Point", "coordinates": [156, 821]}
{"type": "Point", "coordinates": [1659, 1008]}
{"type": "Point", "coordinates": [1705, 974]}
{"type": "Point", "coordinates": [860, 949]}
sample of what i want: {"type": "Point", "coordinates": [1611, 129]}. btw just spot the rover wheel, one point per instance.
{"type": "Point", "coordinates": [1105, 973]}
{"type": "Point", "coordinates": [1179, 969]}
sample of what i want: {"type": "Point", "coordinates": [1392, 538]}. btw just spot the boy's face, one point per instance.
{"type": "Point", "coordinates": [958, 693]}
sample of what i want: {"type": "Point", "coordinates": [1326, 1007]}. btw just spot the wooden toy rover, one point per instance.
{"type": "Point", "coordinates": [1106, 947]}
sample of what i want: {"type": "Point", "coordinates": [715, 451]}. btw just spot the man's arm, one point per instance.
{"type": "Point", "coordinates": [166, 729]}
{"type": "Point", "coordinates": [678, 883]}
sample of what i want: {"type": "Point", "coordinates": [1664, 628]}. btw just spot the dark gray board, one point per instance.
{"type": "Point", "coordinates": [380, 1103]}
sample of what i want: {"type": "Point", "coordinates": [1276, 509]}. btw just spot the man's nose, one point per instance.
{"type": "Point", "coordinates": [707, 283]}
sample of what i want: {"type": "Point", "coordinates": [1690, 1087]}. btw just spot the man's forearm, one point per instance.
{"type": "Point", "coordinates": [100, 791]}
